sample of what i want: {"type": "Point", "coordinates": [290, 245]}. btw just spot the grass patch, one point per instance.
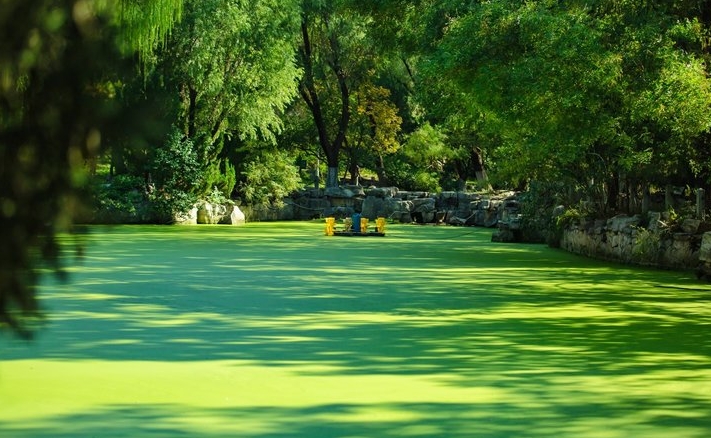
{"type": "Point", "coordinates": [274, 330]}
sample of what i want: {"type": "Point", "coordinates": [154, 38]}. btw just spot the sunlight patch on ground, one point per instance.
{"type": "Point", "coordinates": [51, 387]}
{"type": "Point", "coordinates": [228, 387]}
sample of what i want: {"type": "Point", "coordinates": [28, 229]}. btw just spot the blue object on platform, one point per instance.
{"type": "Point", "coordinates": [356, 222]}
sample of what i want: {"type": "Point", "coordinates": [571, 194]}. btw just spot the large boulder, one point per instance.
{"type": "Point", "coordinates": [339, 212]}
{"type": "Point", "coordinates": [690, 226]}
{"type": "Point", "coordinates": [207, 213]}
{"type": "Point", "coordinates": [338, 192]}
{"type": "Point", "coordinates": [310, 208]}
{"type": "Point", "coordinates": [237, 217]}
{"type": "Point", "coordinates": [188, 218]}
{"type": "Point", "coordinates": [382, 192]}
{"type": "Point", "coordinates": [655, 221]}
{"type": "Point", "coordinates": [373, 207]}
{"type": "Point", "coordinates": [355, 190]}
{"type": "Point", "coordinates": [424, 210]}
{"type": "Point", "coordinates": [422, 205]}
{"type": "Point", "coordinates": [705, 250]}
{"type": "Point", "coordinates": [408, 196]}
{"type": "Point", "coordinates": [398, 209]}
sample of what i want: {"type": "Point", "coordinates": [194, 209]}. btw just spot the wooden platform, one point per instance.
{"type": "Point", "coordinates": [358, 234]}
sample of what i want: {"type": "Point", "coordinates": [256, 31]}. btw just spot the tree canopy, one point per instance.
{"type": "Point", "coordinates": [578, 90]}
{"type": "Point", "coordinates": [56, 100]}
{"type": "Point", "coordinates": [186, 98]}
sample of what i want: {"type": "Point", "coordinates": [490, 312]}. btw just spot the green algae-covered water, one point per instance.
{"type": "Point", "coordinates": [275, 330]}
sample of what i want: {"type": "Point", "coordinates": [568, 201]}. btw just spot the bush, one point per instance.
{"type": "Point", "coordinates": [217, 197]}
{"type": "Point", "coordinates": [268, 178]}
{"type": "Point", "coordinates": [537, 205]}
{"type": "Point", "coordinates": [404, 175]}
{"type": "Point", "coordinates": [220, 176]}
{"type": "Point", "coordinates": [570, 216]}
{"type": "Point", "coordinates": [120, 200]}
{"type": "Point", "coordinates": [647, 246]}
{"type": "Point", "coordinates": [177, 177]}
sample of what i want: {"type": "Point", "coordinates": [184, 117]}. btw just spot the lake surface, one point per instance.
{"type": "Point", "coordinates": [275, 330]}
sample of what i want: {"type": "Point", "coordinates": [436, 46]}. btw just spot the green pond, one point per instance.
{"type": "Point", "coordinates": [275, 330]}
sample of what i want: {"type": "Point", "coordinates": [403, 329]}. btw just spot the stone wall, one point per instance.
{"type": "Point", "coordinates": [456, 208]}
{"type": "Point", "coordinates": [622, 239]}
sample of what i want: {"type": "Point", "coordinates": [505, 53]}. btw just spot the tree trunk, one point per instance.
{"type": "Point", "coordinates": [479, 169]}
{"type": "Point", "coordinates": [191, 128]}
{"type": "Point", "coordinates": [668, 197]}
{"type": "Point", "coordinates": [613, 190]}
{"type": "Point", "coordinates": [316, 174]}
{"type": "Point", "coordinates": [332, 177]}
{"type": "Point", "coordinates": [355, 173]}
{"type": "Point", "coordinates": [380, 170]}
{"type": "Point", "coordinates": [353, 167]}
{"type": "Point", "coordinates": [309, 92]}
{"type": "Point", "coordinates": [646, 198]}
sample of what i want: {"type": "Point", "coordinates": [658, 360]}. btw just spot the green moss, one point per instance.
{"type": "Point", "coordinates": [273, 329]}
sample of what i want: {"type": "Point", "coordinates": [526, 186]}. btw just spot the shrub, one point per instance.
{"type": "Point", "coordinates": [569, 217]}
{"type": "Point", "coordinates": [177, 177]}
{"type": "Point", "coordinates": [122, 199]}
{"type": "Point", "coordinates": [406, 176]}
{"type": "Point", "coordinates": [267, 180]}
{"type": "Point", "coordinates": [537, 204]}
{"type": "Point", "coordinates": [647, 245]}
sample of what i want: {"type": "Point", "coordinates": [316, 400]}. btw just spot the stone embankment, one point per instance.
{"type": "Point", "coordinates": [627, 239]}
{"type": "Point", "coordinates": [455, 208]}
{"type": "Point", "coordinates": [449, 207]}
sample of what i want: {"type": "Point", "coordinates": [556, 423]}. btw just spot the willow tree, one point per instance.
{"type": "Point", "coordinates": [145, 25]}
{"type": "Point", "coordinates": [230, 66]}
{"type": "Point", "coordinates": [53, 109]}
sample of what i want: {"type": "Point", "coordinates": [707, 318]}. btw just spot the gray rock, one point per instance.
{"type": "Point", "coordinates": [705, 250]}
{"type": "Point", "coordinates": [188, 218]}
{"type": "Point", "coordinates": [338, 192]}
{"type": "Point", "coordinates": [623, 223]}
{"type": "Point", "coordinates": [237, 217]}
{"type": "Point", "coordinates": [423, 205]}
{"type": "Point", "coordinates": [372, 207]}
{"type": "Point", "coordinates": [690, 225]}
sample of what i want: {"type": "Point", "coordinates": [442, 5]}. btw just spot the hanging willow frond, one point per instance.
{"type": "Point", "coordinates": [53, 56]}
{"type": "Point", "coordinates": [145, 24]}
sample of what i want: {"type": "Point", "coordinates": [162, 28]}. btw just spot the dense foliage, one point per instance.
{"type": "Point", "coordinates": [609, 91]}
{"type": "Point", "coordinates": [58, 64]}
{"type": "Point", "coordinates": [154, 104]}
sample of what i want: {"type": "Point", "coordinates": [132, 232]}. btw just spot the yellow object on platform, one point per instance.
{"type": "Point", "coordinates": [330, 225]}
{"type": "Point", "coordinates": [380, 225]}
{"type": "Point", "coordinates": [363, 224]}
